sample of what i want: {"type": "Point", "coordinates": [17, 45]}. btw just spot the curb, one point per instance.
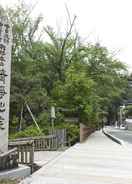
{"type": "Point", "coordinates": [115, 139]}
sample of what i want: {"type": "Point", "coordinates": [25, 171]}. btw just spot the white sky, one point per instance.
{"type": "Point", "coordinates": [107, 21]}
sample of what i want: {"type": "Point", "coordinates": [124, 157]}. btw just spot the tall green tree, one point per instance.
{"type": "Point", "coordinates": [65, 71]}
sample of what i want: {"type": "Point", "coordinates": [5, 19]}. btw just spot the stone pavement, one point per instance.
{"type": "Point", "coordinates": [44, 157]}
{"type": "Point", "coordinates": [97, 161]}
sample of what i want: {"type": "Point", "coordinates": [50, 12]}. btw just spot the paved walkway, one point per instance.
{"type": "Point", "coordinates": [44, 157]}
{"type": "Point", "coordinates": [97, 161]}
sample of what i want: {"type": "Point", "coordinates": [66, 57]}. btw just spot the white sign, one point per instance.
{"type": "Point", "coordinates": [53, 112]}
{"type": "Point", "coordinates": [5, 70]}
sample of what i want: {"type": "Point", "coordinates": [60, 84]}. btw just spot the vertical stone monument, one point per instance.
{"type": "Point", "coordinates": [5, 70]}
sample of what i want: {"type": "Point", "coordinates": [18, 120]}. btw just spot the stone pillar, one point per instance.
{"type": "Point", "coordinates": [5, 70]}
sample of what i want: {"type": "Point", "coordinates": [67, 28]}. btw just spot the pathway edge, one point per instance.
{"type": "Point", "coordinates": [115, 139]}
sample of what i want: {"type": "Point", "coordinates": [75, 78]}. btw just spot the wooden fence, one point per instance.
{"type": "Point", "coordinates": [45, 143]}
{"type": "Point", "coordinates": [27, 146]}
{"type": "Point", "coordinates": [25, 151]}
{"type": "Point", "coordinates": [61, 137]}
{"type": "Point", "coordinates": [9, 159]}
{"type": "Point", "coordinates": [41, 143]}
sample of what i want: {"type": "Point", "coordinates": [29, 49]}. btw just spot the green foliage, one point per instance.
{"type": "Point", "coordinates": [78, 93]}
{"type": "Point", "coordinates": [15, 121]}
{"type": "Point", "coordinates": [128, 111]}
{"type": "Point", "coordinates": [43, 119]}
{"type": "Point", "coordinates": [30, 131]}
{"type": "Point", "coordinates": [72, 131]}
{"type": "Point", "coordinates": [64, 72]}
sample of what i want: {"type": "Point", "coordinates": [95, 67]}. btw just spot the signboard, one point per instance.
{"type": "Point", "coordinates": [5, 70]}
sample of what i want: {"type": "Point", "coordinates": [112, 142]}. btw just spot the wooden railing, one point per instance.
{"type": "Point", "coordinates": [41, 143]}
{"type": "Point", "coordinates": [25, 151]}
{"type": "Point", "coordinates": [55, 140]}
{"type": "Point", "coordinates": [61, 137]}
{"type": "Point", "coordinates": [46, 143]}
{"type": "Point", "coordinates": [27, 146]}
{"type": "Point", "coordinates": [9, 159]}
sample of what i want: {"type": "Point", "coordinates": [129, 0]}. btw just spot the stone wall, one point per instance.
{"type": "Point", "coordinates": [85, 132]}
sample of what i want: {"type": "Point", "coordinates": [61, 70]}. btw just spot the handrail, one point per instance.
{"type": "Point", "coordinates": [55, 140]}
{"type": "Point", "coordinates": [25, 151]}
{"type": "Point", "coordinates": [8, 152]}
{"type": "Point", "coordinates": [9, 159]}
{"type": "Point", "coordinates": [27, 146]}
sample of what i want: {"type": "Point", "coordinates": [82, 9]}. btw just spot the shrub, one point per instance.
{"type": "Point", "coordinates": [72, 131]}
{"type": "Point", "coordinates": [28, 132]}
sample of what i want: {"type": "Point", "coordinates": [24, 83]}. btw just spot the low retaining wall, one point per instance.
{"type": "Point", "coordinates": [85, 132]}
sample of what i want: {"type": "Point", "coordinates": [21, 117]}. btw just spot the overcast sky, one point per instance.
{"type": "Point", "coordinates": [106, 21]}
